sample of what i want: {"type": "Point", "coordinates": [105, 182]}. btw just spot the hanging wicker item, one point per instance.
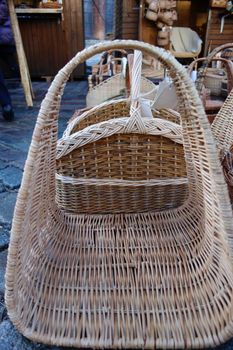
{"type": "Point", "coordinates": [163, 13]}
{"type": "Point", "coordinates": [218, 3]}
{"type": "Point", "coordinates": [151, 280]}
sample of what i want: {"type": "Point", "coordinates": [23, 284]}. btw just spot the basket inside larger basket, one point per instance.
{"type": "Point", "coordinates": [104, 171]}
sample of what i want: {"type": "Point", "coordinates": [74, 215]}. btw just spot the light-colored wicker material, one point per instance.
{"type": "Point", "coordinates": [140, 280]}
{"type": "Point", "coordinates": [211, 74]}
{"type": "Point", "coordinates": [222, 129]}
{"type": "Point", "coordinates": [184, 33]}
{"type": "Point", "coordinates": [152, 68]}
{"type": "Point", "coordinates": [213, 80]}
{"type": "Point", "coordinates": [113, 87]}
{"type": "Point", "coordinates": [124, 172]}
{"type": "Point", "coordinates": [100, 113]}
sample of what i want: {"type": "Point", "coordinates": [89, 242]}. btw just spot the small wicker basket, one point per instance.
{"type": "Point", "coordinates": [122, 172]}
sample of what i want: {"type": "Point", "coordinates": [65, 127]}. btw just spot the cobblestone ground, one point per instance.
{"type": "Point", "coordinates": [15, 139]}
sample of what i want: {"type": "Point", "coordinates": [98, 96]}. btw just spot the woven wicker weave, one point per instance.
{"type": "Point", "coordinates": [214, 79]}
{"type": "Point", "coordinates": [146, 280]}
{"type": "Point", "coordinates": [213, 72]}
{"type": "Point", "coordinates": [222, 129]}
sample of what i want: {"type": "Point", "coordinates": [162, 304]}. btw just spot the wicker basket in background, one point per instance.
{"type": "Point", "coordinates": [213, 80]}
{"type": "Point", "coordinates": [209, 85]}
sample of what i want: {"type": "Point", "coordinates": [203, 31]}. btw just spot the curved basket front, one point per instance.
{"type": "Point", "coordinates": [140, 280]}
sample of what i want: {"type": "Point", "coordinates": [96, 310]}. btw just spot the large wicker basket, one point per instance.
{"type": "Point", "coordinates": [140, 280]}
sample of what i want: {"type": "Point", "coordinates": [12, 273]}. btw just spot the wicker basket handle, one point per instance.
{"type": "Point", "coordinates": [177, 71]}
{"type": "Point", "coordinates": [191, 108]}
{"type": "Point", "coordinates": [222, 127]}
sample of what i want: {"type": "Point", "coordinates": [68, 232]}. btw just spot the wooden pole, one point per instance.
{"type": "Point", "coordinates": [23, 67]}
{"type": "Point", "coordinates": [98, 19]}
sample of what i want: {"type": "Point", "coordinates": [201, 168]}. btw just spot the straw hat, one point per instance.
{"type": "Point", "coordinates": [151, 280]}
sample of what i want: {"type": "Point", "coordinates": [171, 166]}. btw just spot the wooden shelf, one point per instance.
{"type": "Point", "coordinates": [37, 11]}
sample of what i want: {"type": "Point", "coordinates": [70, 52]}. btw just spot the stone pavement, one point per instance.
{"type": "Point", "coordinates": [15, 139]}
